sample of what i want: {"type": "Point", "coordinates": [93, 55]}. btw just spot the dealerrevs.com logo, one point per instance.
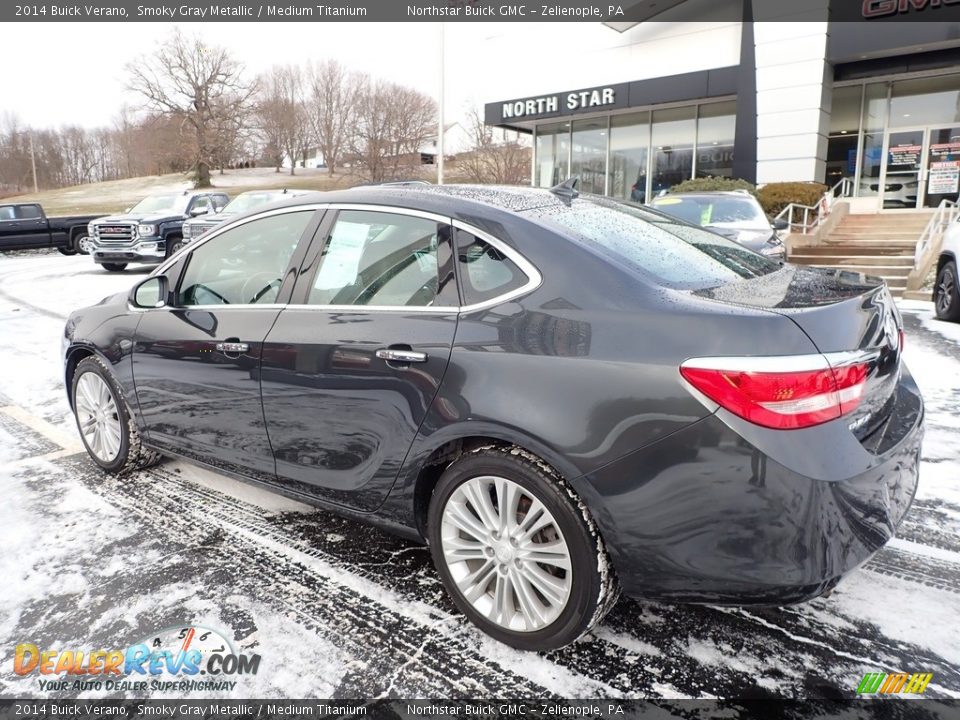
{"type": "Point", "coordinates": [171, 659]}
{"type": "Point", "coordinates": [884, 8]}
{"type": "Point", "coordinates": [894, 683]}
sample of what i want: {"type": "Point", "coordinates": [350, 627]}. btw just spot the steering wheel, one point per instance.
{"type": "Point", "coordinates": [256, 280]}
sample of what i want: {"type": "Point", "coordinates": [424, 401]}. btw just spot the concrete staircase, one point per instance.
{"type": "Point", "coordinates": [876, 244]}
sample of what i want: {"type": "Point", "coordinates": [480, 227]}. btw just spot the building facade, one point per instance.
{"type": "Point", "coordinates": [794, 97]}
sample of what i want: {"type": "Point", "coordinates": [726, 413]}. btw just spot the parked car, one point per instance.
{"type": "Point", "coordinates": [244, 202]}
{"type": "Point", "coordinates": [733, 214]}
{"type": "Point", "coordinates": [151, 230]}
{"type": "Point", "coordinates": [25, 226]}
{"type": "Point", "coordinates": [946, 289]}
{"type": "Point", "coordinates": [561, 394]}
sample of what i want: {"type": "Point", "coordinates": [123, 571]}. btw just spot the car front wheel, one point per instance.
{"type": "Point", "coordinates": [946, 293]}
{"type": "Point", "coordinates": [517, 552]}
{"type": "Point", "coordinates": [174, 244]}
{"type": "Point", "coordinates": [114, 267]}
{"type": "Point", "coordinates": [108, 432]}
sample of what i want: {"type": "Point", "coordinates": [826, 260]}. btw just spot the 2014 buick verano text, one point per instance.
{"type": "Point", "coordinates": [563, 395]}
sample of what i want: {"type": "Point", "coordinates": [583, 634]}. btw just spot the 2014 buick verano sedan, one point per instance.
{"type": "Point", "coordinates": [563, 395]}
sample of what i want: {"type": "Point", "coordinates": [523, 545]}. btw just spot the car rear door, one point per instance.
{"type": "Point", "coordinates": [196, 362]}
{"type": "Point", "coordinates": [351, 366]}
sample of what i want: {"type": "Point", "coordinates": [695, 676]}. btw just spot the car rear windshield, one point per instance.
{"type": "Point", "coordinates": [715, 210]}
{"type": "Point", "coordinates": [674, 253]}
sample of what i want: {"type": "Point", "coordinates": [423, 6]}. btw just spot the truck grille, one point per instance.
{"type": "Point", "coordinates": [114, 234]}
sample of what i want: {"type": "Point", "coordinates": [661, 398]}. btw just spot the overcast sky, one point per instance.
{"type": "Point", "coordinates": [73, 73]}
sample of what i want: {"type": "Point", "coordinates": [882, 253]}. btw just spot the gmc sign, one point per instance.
{"type": "Point", "coordinates": [883, 8]}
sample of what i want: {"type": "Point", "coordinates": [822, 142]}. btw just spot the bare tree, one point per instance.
{"type": "Point", "coordinates": [197, 82]}
{"type": "Point", "coordinates": [331, 102]}
{"type": "Point", "coordinates": [282, 115]}
{"type": "Point", "coordinates": [494, 160]}
{"type": "Point", "coordinates": [392, 122]}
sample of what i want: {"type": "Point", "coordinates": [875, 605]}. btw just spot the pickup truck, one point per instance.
{"type": "Point", "coordinates": [25, 226]}
{"type": "Point", "coordinates": [151, 230]}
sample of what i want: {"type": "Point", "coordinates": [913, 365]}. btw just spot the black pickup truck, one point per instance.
{"type": "Point", "coordinates": [24, 226]}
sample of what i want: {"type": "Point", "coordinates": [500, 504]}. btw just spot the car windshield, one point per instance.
{"type": "Point", "coordinates": [174, 204]}
{"type": "Point", "coordinates": [246, 201]}
{"type": "Point", "coordinates": [715, 210]}
{"type": "Point", "coordinates": [676, 254]}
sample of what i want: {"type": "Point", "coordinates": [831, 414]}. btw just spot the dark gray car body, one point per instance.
{"type": "Point", "coordinates": [692, 502]}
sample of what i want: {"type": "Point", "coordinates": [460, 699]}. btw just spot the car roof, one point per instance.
{"type": "Point", "coordinates": [452, 200]}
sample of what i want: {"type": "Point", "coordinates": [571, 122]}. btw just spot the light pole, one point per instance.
{"type": "Point", "coordinates": [440, 122]}
{"type": "Point", "coordinates": [33, 163]}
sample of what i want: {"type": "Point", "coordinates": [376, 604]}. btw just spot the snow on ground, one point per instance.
{"type": "Point", "coordinates": [337, 608]}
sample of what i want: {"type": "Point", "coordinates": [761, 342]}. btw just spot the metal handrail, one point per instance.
{"type": "Point", "coordinates": [843, 188]}
{"type": "Point", "coordinates": [945, 214]}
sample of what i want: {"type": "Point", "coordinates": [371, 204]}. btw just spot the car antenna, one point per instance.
{"type": "Point", "coordinates": [568, 188]}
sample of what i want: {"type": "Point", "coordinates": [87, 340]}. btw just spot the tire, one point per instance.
{"type": "Point", "coordinates": [576, 598]}
{"type": "Point", "coordinates": [174, 243]}
{"type": "Point", "coordinates": [114, 267]}
{"type": "Point", "coordinates": [81, 243]}
{"type": "Point", "coordinates": [946, 293]}
{"type": "Point", "coordinates": [66, 251]}
{"type": "Point", "coordinates": [103, 419]}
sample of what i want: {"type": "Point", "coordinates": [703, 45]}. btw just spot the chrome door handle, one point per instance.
{"type": "Point", "coordinates": [405, 356]}
{"type": "Point", "coordinates": [232, 347]}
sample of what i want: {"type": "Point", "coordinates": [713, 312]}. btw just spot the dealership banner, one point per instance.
{"type": "Point", "coordinates": [621, 14]}
{"type": "Point", "coordinates": [555, 709]}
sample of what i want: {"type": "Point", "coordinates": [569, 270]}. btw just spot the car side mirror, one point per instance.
{"type": "Point", "coordinates": [198, 211]}
{"type": "Point", "coordinates": [150, 293]}
{"type": "Point", "coordinates": [780, 224]}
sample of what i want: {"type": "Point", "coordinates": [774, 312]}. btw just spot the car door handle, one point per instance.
{"type": "Point", "coordinates": [232, 347]}
{"type": "Point", "coordinates": [400, 355]}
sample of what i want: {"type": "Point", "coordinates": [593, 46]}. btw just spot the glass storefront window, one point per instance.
{"type": "Point", "coordinates": [925, 101]}
{"type": "Point", "coordinates": [844, 133]}
{"type": "Point", "coordinates": [588, 157]}
{"type": "Point", "coordinates": [716, 124]}
{"type": "Point", "coordinates": [629, 148]}
{"type": "Point", "coordinates": [874, 124]}
{"type": "Point", "coordinates": [673, 138]}
{"type": "Point", "coordinates": [553, 152]}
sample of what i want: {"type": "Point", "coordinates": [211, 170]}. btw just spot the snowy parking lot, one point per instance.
{"type": "Point", "coordinates": [337, 609]}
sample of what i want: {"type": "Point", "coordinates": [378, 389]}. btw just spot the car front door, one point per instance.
{"type": "Point", "coordinates": [196, 361]}
{"type": "Point", "coordinates": [353, 363]}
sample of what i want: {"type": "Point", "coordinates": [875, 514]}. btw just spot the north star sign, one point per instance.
{"type": "Point", "coordinates": [577, 100]}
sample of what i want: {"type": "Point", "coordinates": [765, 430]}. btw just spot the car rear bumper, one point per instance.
{"type": "Point", "coordinates": [704, 515]}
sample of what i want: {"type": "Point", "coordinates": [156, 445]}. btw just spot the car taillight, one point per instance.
{"type": "Point", "coordinates": [780, 400]}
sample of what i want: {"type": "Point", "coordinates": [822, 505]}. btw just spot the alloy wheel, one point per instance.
{"type": "Point", "coordinates": [98, 416]}
{"type": "Point", "coordinates": [506, 553]}
{"type": "Point", "coordinates": [85, 245]}
{"type": "Point", "coordinates": [946, 287]}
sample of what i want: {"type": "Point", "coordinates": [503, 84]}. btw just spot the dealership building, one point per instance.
{"type": "Point", "coordinates": [768, 97]}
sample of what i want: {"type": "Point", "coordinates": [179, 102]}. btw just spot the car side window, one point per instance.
{"type": "Point", "coordinates": [219, 201]}
{"type": "Point", "coordinates": [384, 259]}
{"type": "Point", "coordinates": [200, 203]}
{"type": "Point", "coordinates": [6, 212]}
{"type": "Point", "coordinates": [244, 265]}
{"type": "Point", "coordinates": [485, 272]}
{"type": "Point", "coordinates": [29, 212]}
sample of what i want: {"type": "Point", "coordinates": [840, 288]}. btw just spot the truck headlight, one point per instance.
{"type": "Point", "coordinates": [90, 229]}
{"type": "Point", "coordinates": [187, 230]}
{"type": "Point", "coordinates": [146, 230]}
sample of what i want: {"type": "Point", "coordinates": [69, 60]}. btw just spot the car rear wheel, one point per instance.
{"type": "Point", "coordinates": [114, 267]}
{"type": "Point", "coordinates": [83, 244]}
{"type": "Point", "coordinates": [946, 293]}
{"type": "Point", "coordinates": [174, 244]}
{"type": "Point", "coordinates": [66, 250]}
{"type": "Point", "coordinates": [108, 432]}
{"type": "Point", "coordinates": [518, 554]}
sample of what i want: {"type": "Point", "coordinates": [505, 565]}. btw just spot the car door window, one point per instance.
{"type": "Point", "coordinates": [6, 212]}
{"type": "Point", "coordinates": [200, 204]}
{"type": "Point", "coordinates": [219, 201]}
{"type": "Point", "coordinates": [485, 272]}
{"type": "Point", "coordinates": [29, 212]}
{"type": "Point", "coordinates": [244, 265]}
{"type": "Point", "coordinates": [384, 259]}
